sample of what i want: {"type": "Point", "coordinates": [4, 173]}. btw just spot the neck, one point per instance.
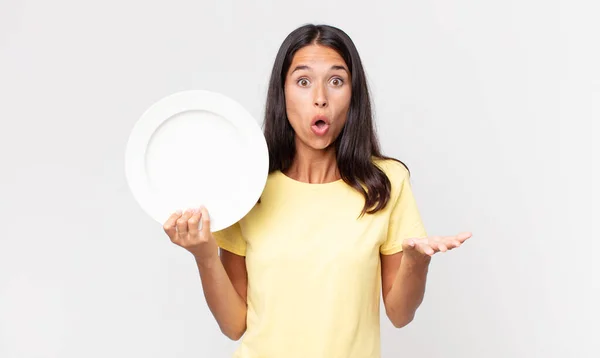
{"type": "Point", "coordinates": [314, 166]}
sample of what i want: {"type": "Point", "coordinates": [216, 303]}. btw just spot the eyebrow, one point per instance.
{"type": "Point", "coordinates": [305, 67]}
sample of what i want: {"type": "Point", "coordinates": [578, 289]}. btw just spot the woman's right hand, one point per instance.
{"type": "Point", "coordinates": [183, 230]}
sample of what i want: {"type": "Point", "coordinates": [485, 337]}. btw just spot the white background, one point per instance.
{"type": "Point", "coordinates": [492, 104]}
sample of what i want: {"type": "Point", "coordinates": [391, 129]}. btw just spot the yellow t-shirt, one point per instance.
{"type": "Point", "coordinates": [314, 274]}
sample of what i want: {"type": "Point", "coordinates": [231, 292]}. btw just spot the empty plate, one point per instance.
{"type": "Point", "coordinates": [197, 148]}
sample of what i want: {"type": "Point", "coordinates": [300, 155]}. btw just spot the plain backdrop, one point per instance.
{"type": "Point", "coordinates": [493, 105]}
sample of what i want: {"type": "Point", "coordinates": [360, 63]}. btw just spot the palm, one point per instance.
{"type": "Point", "coordinates": [430, 245]}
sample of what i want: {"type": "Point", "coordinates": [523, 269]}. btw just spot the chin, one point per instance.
{"type": "Point", "coordinates": [316, 143]}
{"type": "Point", "coordinates": [321, 144]}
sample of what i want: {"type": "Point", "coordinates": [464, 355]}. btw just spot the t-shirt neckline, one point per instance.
{"type": "Point", "coordinates": [308, 185]}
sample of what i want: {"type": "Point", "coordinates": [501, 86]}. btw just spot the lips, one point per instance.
{"type": "Point", "coordinates": [320, 125]}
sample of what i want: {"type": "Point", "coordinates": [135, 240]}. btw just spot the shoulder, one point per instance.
{"type": "Point", "coordinates": [396, 172]}
{"type": "Point", "coordinates": [394, 169]}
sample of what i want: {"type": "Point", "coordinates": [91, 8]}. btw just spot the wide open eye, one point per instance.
{"type": "Point", "coordinates": [303, 82]}
{"type": "Point", "coordinates": [336, 81]}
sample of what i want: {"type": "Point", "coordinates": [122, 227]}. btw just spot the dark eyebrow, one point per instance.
{"type": "Point", "coordinates": [300, 67]}
{"type": "Point", "coordinates": [305, 67]}
{"type": "Point", "coordinates": [338, 67]}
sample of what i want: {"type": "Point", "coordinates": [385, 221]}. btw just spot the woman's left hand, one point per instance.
{"type": "Point", "coordinates": [428, 246]}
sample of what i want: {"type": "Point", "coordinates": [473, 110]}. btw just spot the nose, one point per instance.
{"type": "Point", "coordinates": [320, 103]}
{"type": "Point", "coordinates": [320, 97]}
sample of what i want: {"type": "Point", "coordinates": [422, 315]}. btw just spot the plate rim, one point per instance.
{"type": "Point", "coordinates": [163, 110]}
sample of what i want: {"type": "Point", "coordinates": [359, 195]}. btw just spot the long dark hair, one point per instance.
{"type": "Point", "coordinates": [357, 144]}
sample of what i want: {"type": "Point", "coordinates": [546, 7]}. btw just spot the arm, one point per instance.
{"type": "Point", "coordinates": [403, 285]}
{"type": "Point", "coordinates": [404, 274]}
{"type": "Point", "coordinates": [224, 284]}
{"type": "Point", "coordinates": [223, 280]}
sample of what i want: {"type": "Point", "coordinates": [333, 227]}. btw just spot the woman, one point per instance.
{"type": "Point", "coordinates": [301, 274]}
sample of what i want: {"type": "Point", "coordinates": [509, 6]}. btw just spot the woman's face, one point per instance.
{"type": "Point", "coordinates": [317, 95]}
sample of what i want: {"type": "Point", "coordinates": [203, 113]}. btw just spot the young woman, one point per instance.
{"type": "Point", "coordinates": [301, 274]}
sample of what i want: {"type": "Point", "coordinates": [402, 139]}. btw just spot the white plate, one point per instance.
{"type": "Point", "coordinates": [197, 148]}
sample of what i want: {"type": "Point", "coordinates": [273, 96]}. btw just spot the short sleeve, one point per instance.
{"type": "Point", "coordinates": [231, 239]}
{"type": "Point", "coordinates": [405, 219]}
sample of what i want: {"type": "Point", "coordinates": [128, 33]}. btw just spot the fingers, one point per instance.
{"type": "Point", "coordinates": [430, 245]}
{"type": "Point", "coordinates": [182, 225]}
{"type": "Point", "coordinates": [442, 247]}
{"type": "Point", "coordinates": [437, 243]}
{"type": "Point", "coordinates": [423, 247]}
{"type": "Point", "coordinates": [169, 225]}
{"type": "Point", "coordinates": [463, 236]}
{"type": "Point", "coordinates": [193, 223]}
{"type": "Point", "coordinates": [205, 221]}
{"type": "Point", "coordinates": [452, 242]}
{"type": "Point", "coordinates": [427, 249]}
{"type": "Point", "coordinates": [420, 245]}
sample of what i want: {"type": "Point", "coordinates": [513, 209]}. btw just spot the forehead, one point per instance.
{"type": "Point", "coordinates": [317, 54]}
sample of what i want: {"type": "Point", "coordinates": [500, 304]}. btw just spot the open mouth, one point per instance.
{"type": "Point", "coordinates": [320, 126]}
{"type": "Point", "coordinates": [320, 123]}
